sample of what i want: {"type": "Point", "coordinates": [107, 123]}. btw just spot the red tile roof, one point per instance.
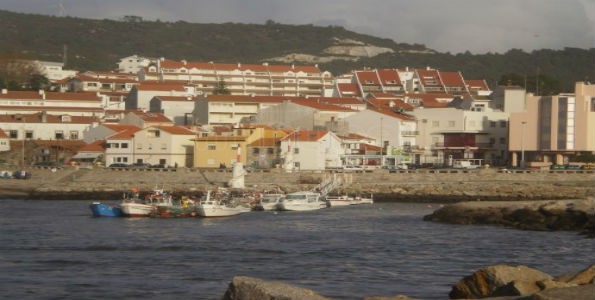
{"type": "Point", "coordinates": [171, 64]}
{"type": "Point", "coordinates": [177, 130]}
{"type": "Point", "coordinates": [151, 117]}
{"type": "Point", "coordinates": [175, 98]}
{"type": "Point", "coordinates": [452, 79]}
{"type": "Point", "coordinates": [247, 98]}
{"type": "Point", "coordinates": [305, 136]}
{"type": "Point", "coordinates": [265, 142]}
{"type": "Point", "coordinates": [389, 77]}
{"type": "Point", "coordinates": [477, 84]}
{"type": "Point", "coordinates": [96, 146]}
{"type": "Point", "coordinates": [348, 89]}
{"type": "Point", "coordinates": [49, 96]}
{"type": "Point", "coordinates": [392, 113]}
{"type": "Point", "coordinates": [3, 134]}
{"type": "Point", "coordinates": [429, 77]}
{"type": "Point", "coordinates": [321, 106]}
{"type": "Point", "coordinates": [49, 118]}
{"type": "Point", "coordinates": [367, 78]}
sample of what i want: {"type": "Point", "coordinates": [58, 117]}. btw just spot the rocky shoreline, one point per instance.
{"type": "Point", "coordinates": [502, 282]}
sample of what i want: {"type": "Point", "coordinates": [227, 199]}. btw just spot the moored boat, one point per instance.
{"type": "Point", "coordinates": [339, 200]}
{"type": "Point", "coordinates": [185, 208]}
{"type": "Point", "coordinates": [268, 201]}
{"type": "Point", "coordinates": [363, 200]}
{"type": "Point", "coordinates": [215, 204]}
{"type": "Point", "coordinates": [301, 201]}
{"type": "Point", "coordinates": [132, 207]}
{"type": "Point", "coordinates": [104, 210]}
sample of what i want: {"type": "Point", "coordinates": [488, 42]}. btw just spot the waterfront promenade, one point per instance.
{"type": "Point", "coordinates": [413, 185]}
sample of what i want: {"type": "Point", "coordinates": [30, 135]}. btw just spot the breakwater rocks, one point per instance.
{"type": "Point", "coordinates": [415, 185]}
{"type": "Point", "coordinates": [493, 282]}
{"type": "Point", "coordinates": [572, 215]}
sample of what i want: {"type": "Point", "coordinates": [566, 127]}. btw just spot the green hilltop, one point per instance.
{"type": "Point", "coordinates": [99, 44]}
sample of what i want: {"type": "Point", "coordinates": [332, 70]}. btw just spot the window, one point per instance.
{"type": "Point", "coordinates": [492, 141]}
{"type": "Point", "coordinates": [503, 124]}
{"type": "Point", "coordinates": [124, 145]}
{"type": "Point", "coordinates": [592, 104]}
{"type": "Point", "coordinates": [13, 134]}
{"type": "Point", "coordinates": [270, 150]}
{"type": "Point", "coordinates": [163, 146]}
{"type": "Point", "coordinates": [502, 141]}
{"type": "Point", "coordinates": [74, 135]}
{"type": "Point", "coordinates": [212, 147]}
{"type": "Point", "coordinates": [59, 134]}
{"type": "Point", "coordinates": [29, 134]}
{"type": "Point", "coordinates": [296, 150]}
{"type": "Point", "coordinates": [255, 151]}
{"type": "Point", "coordinates": [296, 164]}
{"type": "Point", "coordinates": [493, 124]}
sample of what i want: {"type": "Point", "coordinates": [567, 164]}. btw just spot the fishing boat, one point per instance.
{"type": "Point", "coordinates": [132, 207]}
{"type": "Point", "coordinates": [363, 200]}
{"type": "Point", "coordinates": [301, 201]}
{"type": "Point", "coordinates": [185, 208]}
{"type": "Point", "coordinates": [218, 204]}
{"type": "Point", "coordinates": [339, 200]}
{"type": "Point", "coordinates": [104, 210]}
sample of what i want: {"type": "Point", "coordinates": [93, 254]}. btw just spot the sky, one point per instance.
{"type": "Point", "coordinates": [455, 26]}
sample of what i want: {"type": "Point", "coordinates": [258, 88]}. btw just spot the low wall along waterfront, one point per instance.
{"type": "Point", "coordinates": [412, 185]}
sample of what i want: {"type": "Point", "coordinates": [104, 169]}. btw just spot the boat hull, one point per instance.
{"type": "Point", "coordinates": [174, 212]}
{"type": "Point", "coordinates": [208, 211]}
{"type": "Point", "coordinates": [137, 209]}
{"type": "Point", "coordinates": [103, 210]}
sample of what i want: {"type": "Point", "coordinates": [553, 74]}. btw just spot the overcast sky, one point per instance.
{"type": "Point", "coordinates": [455, 26]}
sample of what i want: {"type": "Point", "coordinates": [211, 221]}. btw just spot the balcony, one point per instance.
{"type": "Point", "coordinates": [463, 147]}
{"type": "Point", "coordinates": [409, 133]}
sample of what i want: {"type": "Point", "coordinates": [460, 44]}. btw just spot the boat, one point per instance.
{"type": "Point", "coordinates": [268, 200]}
{"type": "Point", "coordinates": [363, 200]}
{"type": "Point", "coordinates": [185, 208]}
{"type": "Point", "coordinates": [339, 200]}
{"type": "Point", "coordinates": [301, 201]}
{"type": "Point", "coordinates": [104, 210]}
{"type": "Point", "coordinates": [218, 204]}
{"type": "Point", "coordinates": [133, 207]}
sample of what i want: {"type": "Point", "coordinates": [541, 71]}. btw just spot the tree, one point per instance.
{"type": "Point", "coordinates": [221, 88]}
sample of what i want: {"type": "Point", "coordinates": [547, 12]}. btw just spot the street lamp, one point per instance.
{"type": "Point", "coordinates": [523, 144]}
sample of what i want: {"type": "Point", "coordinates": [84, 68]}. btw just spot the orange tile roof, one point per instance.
{"type": "Point", "coordinates": [452, 78]}
{"type": "Point", "coordinates": [96, 146]}
{"type": "Point", "coordinates": [3, 134]}
{"type": "Point", "coordinates": [477, 84]}
{"type": "Point", "coordinates": [348, 89]}
{"type": "Point", "coordinates": [389, 77]}
{"type": "Point", "coordinates": [175, 98]}
{"type": "Point", "coordinates": [392, 113]}
{"type": "Point", "coordinates": [305, 136]}
{"type": "Point", "coordinates": [390, 104]}
{"type": "Point", "coordinates": [427, 76]}
{"type": "Point", "coordinates": [336, 100]}
{"type": "Point", "coordinates": [171, 64]}
{"type": "Point", "coordinates": [35, 95]}
{"type": "Point", "coordinates": [367, 77]}
{"type": "Point", "coordinates": [355, 136]}
{"type": "Point", "coordinates": [151, 117]}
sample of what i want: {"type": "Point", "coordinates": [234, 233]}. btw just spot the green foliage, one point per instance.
{"type": "Point", "coordinates": [584, 158]}
{"type": "Point", "coordinates": [99, 44]}
{"type": "Point", "coordinates": [221, 88]}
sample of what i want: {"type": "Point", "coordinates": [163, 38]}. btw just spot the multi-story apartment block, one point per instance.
{"type": "Point", "coordinates": [44, 126]}
{"type": "Point", "coordinates": [55, 103]}
{"type": "Point", "coordinates": [242, 79]}
{"type": "Point", "coordinates": [554, 129]}
{"type": "Point", "coordinates": [139, 98]}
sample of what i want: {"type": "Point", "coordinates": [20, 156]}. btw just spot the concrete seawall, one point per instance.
{"type": "Point", "coordinates": [414, 185]}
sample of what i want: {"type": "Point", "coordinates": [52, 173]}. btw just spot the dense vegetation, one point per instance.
{"type": "Point", "coordinates": [99, 44]}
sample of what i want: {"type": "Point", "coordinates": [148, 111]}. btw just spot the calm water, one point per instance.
{"type": "Point", "coordinates": [56, 250]}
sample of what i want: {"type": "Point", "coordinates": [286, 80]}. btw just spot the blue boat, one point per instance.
{"type": "Point", "coordinates": [103, 210]}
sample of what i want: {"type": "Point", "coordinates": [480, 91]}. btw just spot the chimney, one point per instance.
{"type": "Point", "coordinates": [239, 65]}
{"type": "Point", "coordinates": [4, 91]}
{"type": "Point", "coordinates": [42, 94]}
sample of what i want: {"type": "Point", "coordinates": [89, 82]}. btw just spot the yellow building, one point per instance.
{"type": "Point", "coordinates": [215, 151]}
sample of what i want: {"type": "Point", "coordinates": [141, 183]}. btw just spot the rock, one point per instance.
{"type": "Point", "coordinates": [398, 297]}
{"type": "Point", "coordinates": [517, 288]}
{"type": "Point", "coordinates": [553, 284]}
{"type": "Point", "coordinates": [246, 288]}
{"type": "Point", "coordinates": [585, 276]}
{"type": "Point", "coordinates": [484, 282]}
{"type": "Point", "coordinates": [581, 292]}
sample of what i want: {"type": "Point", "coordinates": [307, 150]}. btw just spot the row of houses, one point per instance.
{"type": "Point", "coordinates": [412, 115]}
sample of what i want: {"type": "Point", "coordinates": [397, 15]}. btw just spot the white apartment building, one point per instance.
{"type": "Point", "coordinates": [242, 79]}
{"type": "Point", "coordinates": [134, 63]}
{"type": "Point", "coordinates": [44, 126]}
{"type": "Point", "coordinates": [311, 150]}
{"type": "Point", "coordinates": [140, 96]}
{"type": "Point", "coordinates": [54, 103]}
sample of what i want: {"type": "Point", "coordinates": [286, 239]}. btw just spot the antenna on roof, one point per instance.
{"type": "Point", "coordinates": [62, 10]}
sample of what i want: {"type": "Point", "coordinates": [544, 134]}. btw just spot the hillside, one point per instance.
{"type": "Point", "coordinates": [99, 44]}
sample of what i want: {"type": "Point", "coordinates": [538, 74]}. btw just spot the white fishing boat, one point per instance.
{"type": "Point", "coordinates": [134, 207]}
{"type": "Point", "coordinates": [363, 200]}
{"type": "Point", "coordinates": [301, 201]}
{"type": "Point", "coordinates": [339, 200]}
{"type": "Point", "coordinates": [216, 205]}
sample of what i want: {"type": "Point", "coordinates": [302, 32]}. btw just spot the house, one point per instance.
{"type": "Point", "coordinates": [140, 95]}
{"type": "Point", "coordinates": [449, 133]}
{"type": "Point", "coordinates": [53, 71]}
{"type": "Point", "coordinates": [242, 79]}
{"type": "Point", "coordinates": [4, 141]}
{"type": "Point", "coordinates": [145, 119]}
{"type": "Point", "coordinates": [554, 129]}
{"type": "Point", "coordinates": [163, 145]}
{"type": "Point", "coordinates": [176, 108]}
{"type": "Point", "coordinates": [311, 150]}
{"type": "Point", "coordinates": [44, 126]}
{"type": "Point", "coordinates": [53, 103]}
{"type": "Point", "coordinates": [94, 81]}
{"type": "Point", "coordinates": [101, 131]}
{"type": "Point", "coordinates": [89, 155]}
{"type": "Point", "coordinates": [360, 150]}
{"type": "Point", "coordinates": [303, 113]}
{"type": "Point", "coordinates": [119, 147]}
{"type": "Point", "coordinates": [134, 63]}
{"type": "Point", "coordinates": [392, 130]}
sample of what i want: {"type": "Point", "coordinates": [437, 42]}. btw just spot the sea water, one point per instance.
{"type": "Point", "coordinates": [57, 250]}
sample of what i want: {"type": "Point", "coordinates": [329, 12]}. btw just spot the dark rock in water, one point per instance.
{"type": "Point", "coordinates": [246, 288]}
{"type": "Point", "coordinates": [398, 297]}
{"type": "Point", "coordinates": [585, 276]}
{"type": "Point", "coordinates": [493, 280]}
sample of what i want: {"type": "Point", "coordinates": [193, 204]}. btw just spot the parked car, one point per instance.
{"type": "Point", "coordinates": [353, 168]}
{"type": "Point", "coordinates": [21, 174]}
{"type": "Point", "coordinates": [118, 165]}
{"type": "Point", "coordinates": [395, 168]}
{"type": "Point", "coordinates": [573, 167]}
{"type": "Point", "coordinates": [557, 167]}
